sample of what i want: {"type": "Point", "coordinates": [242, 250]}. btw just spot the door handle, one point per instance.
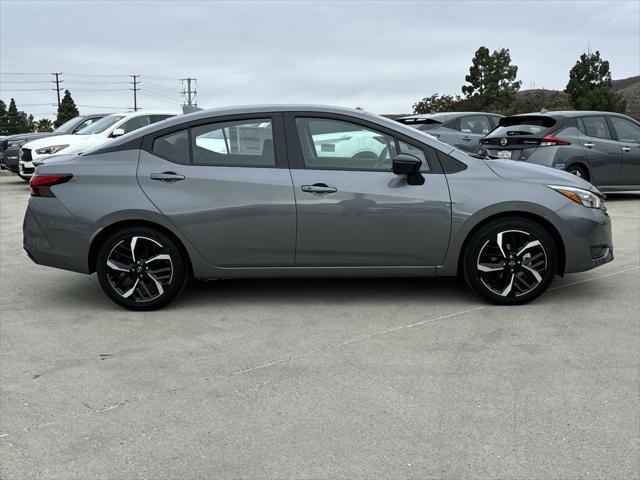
{"type": "Point", "coordinates": [167, 177]}
{"type": "Point", "coordinates": [626, 149]}
{"type": "Point", "coordinates": [466, 139]}
{"type": "Point", "coordinates": [589, 145]}
{"type": "Point", "coordinates": [318, 188]}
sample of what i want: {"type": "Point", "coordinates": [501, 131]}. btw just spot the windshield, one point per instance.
{"type": "Point", "coordinates": [101, 125]}
{"type": "Point", "coordinates": [69, 125]}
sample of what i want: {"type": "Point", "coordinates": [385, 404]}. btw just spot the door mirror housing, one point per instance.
{"type": "Point", "coordinates": [117, 132]}
{"type": "Point", "coordinates": [408, 165]}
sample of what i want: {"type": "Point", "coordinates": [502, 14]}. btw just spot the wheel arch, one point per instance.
{"type": "Point", "coordinates": [107, 231]}
{"type": "Point", "coordinates": [543, 222]}
{"type": "Point", "coordinates": [582, 164]}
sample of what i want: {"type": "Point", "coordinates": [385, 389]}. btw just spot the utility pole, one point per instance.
{"type": "Point", "coordinates": [57, 81]}
{"type": "Point", "coordinates": [135, 91]}
{"type": "Point", "coordinates": [189, 94]}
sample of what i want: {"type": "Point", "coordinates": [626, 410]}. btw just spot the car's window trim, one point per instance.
{"type": "Point", "coordinates": [612, 128]}
{"type": "Point", "coordinates": [280, 150]}
{"type": "Point", "coordinates": [606, 122]}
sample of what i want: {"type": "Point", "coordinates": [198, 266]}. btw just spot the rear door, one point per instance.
{"type": "Point", "coordinates": [627, 133]}
{"type": "Point", "coordinates": [603, 152]}
{"type": "Point", "coordinates": [225, 184]}
{"type": "Point", "coordinates": [352, 210]}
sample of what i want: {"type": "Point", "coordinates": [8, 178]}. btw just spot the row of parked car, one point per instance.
{"type": "Point", "coordinates": [601, 147]}
{"type": "Point", "coordinates": [78, 135]}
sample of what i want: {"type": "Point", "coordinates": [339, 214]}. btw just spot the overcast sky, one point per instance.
{"type": "Point", "coordinates": [382, 56]}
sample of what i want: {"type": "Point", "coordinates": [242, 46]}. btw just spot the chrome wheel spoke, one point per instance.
{"type": "Point", "coordinates": [512, 264]}
{"type": "Point", "coordinates": [139, 269]}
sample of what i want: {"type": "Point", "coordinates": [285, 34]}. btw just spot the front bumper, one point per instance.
{"type": "Point", "coordinates": [26, 169]}
{"type": "Point", "coordinates": [586, 233]}
{"type": "Point", "coordinates": [11, 159]}
{"type": "Point", "coordinates": [53, 237]}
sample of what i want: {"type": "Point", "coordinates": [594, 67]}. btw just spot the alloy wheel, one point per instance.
{"type": "Point", "coordinates": [512, 263]}
{"type": "Point", "coordinates": [139, 269]}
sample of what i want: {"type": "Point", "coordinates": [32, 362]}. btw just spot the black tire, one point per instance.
{"type": "Point", "coordinates": [26, 179]}
{"type": "Point", "coordinates": [130, 279]}
{"type": "Point", "coordinates": [579, 171]}
{"type": "Point", "coordinates": [510, 279]}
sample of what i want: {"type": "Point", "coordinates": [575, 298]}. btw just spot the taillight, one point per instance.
{"type": "Point", "coordinates": [41, 184]}
{"type": "Point", "coordinates": [549, 140]}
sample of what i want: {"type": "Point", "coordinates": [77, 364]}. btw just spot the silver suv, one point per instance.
{"type": "Point", "coordinates": [306, 191]}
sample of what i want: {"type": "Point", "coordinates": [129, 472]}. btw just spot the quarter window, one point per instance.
{"type": "Point", "coordinates": [173, 147]}
{"type": "Point", "coordinates": [626, 131]}
{"type": "Point", "coordinates": [247, 143]}
{"type": "Point", "coordinates": [340, 145]}
{"type": "Point", "coordinates": [594, 127]}
{"type": "Point", "coordinates": [416, 152]}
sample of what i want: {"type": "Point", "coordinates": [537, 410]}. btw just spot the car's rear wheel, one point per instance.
{"type": "Point", "coordinates": [510, 261]}
{"type": "Point", "coordinates": [141, 268]}
{"type": "Point", "coordinates": [579, 172]}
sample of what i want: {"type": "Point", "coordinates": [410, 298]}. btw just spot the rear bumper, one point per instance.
{"type": "Point", "coordinates": [53, 237]}
{"type": "Point", "coordinates": [586, 233]}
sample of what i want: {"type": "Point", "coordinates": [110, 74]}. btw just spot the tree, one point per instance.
{"type": "Point", "coordinates": [16, 120]}
{"type": "Point", "coordinates": [44, 125]}
{"type": "Point", "coordinates": [527, 101]}
{"type": "Point", "coordinates": [492, 80]}
{"type": "Point", "coordinates": [590, 85]}
{"type": "Point", "coordinates": [438, 103]}
{"type": "Point", "coordinates": [3, 118]}
{"type": "Point", "coordinates": [67, 109]}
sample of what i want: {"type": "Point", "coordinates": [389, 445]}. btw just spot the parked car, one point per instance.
{"type": "Point", "coordinates": [105, 129]}
{"type": "Point", "coordinates": [273, 203]}
{"type": "Point", "coordinates": [462, 130]}
{"type": "Point", "coordinates": [601, 147]}
{"type": "Point", "coordinates": [10, 146]}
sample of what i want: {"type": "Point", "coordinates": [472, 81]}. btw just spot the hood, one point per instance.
{"type": "Point", "coordinates": [529, 172]}
{"type": "Point", "coordinates": [71, 140]}
{"type": "Point", "coordinates": [29, 136]}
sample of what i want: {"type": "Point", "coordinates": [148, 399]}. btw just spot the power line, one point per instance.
{"type": "Point", "coordinates": [161, 95]}
{"type": "Point", "coordinates": [25, 81]}
{"type": "Point", "coordinates": [96, 75]}
{"type": "Point", "coordinates": [23, 73]}
{"type": "Point", "coordinates": [25, 89]}
{"type": "Point", "coordinates": [160, 99]}
{"type": "Point", "coordinates": [98, 106]}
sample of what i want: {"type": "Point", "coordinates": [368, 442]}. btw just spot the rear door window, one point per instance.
{"type": "Point", "coordinates": [173, 147]}
{"type": "Point", "coordinates": [244, 143]}
{"type": "Point", "coordinates": [135, 123]}
{"type": "Point", "coordinates": [595, 126]}
{"type": "Point", "coordinates": [476, 124]}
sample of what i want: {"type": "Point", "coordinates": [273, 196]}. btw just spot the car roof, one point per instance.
{"type": "Point", "coordinates": [569, 113]}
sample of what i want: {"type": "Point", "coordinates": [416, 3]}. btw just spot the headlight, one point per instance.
{"type": "Point", "coordinates": [50, 150]}
{"type": "Point", "coordinates": [581, 196]}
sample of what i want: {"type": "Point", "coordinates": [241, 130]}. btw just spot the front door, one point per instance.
{"type": "Point", "coordinates": [628, 136]}
{"type": "Point", "coordinates": [603, 152]}
{"type": "Point", "coordinates": [226, 187]}
{"type": "Point", "coordinates": [352, 210]}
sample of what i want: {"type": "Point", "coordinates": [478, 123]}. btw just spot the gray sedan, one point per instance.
{"type": "Point", "coordinates": [462, 130]}
{"type": "Point", "coordinates": [292, 191]}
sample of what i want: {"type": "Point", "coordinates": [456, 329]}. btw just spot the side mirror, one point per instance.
{"type": "Point", "coordinates": [408, 165]}
{"type": "Point", "coordinates": [117, 132]}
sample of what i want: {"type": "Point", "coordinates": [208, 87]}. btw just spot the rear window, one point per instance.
{"type": "Point", "coordinates": [526, 125]}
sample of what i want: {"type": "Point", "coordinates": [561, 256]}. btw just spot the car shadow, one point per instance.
{"type": "Point", "coordinates": [621, 196]}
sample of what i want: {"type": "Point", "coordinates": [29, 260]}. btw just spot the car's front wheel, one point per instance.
{"type": "Point", "coordinates": [510, 261]}
{"type": "Point", "coordinates": [141, 268]}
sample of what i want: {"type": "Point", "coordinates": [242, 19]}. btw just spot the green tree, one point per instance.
{"type": "Point", "coordinates": [527, 101]}
{"type": "Point", "coordinates": [3, 118]}
{"type": "Point", "coordinates": [16, 120]}
{"type": "Point", "coordinates": [67, 109]}
{"type": "Point", "coordinates": [492, 80]}
{"type": "Point", "coordinates": [438, 103]}
{"type": "Point", "coordinates": [44, 125]}
{"type": "Point", "coordinates": [590, 85]}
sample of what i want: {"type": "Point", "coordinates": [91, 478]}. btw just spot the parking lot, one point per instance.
{"type": "Point", "coordinates": [358, 378]}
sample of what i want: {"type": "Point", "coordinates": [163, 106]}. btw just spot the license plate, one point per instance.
{"type": "Point", "coordinates": [505, 154]}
